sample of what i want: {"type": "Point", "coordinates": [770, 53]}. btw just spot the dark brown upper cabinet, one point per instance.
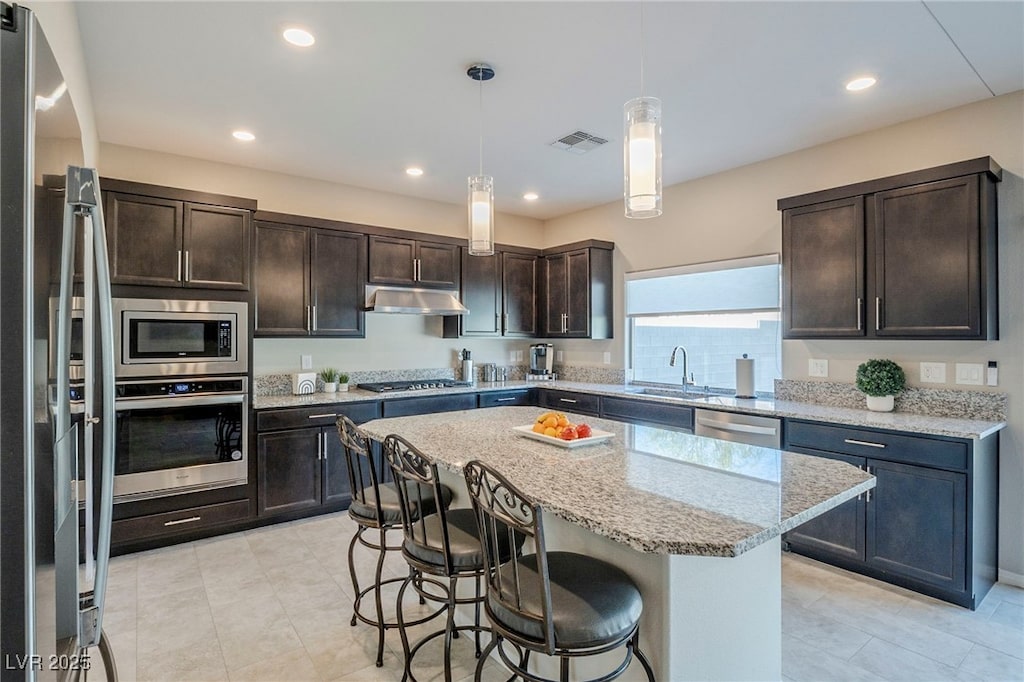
{"type": "Point", "coordinates": [167, 237]}
{"type": "Point", "coordinates": [309, 279]}
{"type": "Point", "coordinates": [911, 256]}
{"type": "Point", "coordinates": [576, 300]}
{"type": "Point", "coordinates": [411, 262]}
{"type": "Point", "coordinates": [500, 292]}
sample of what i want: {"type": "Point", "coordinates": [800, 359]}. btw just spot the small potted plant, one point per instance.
{"type": "Point", "coordinates": [342, 382]}
{"type": "Point", "coordinates": [329, 375]}
{"type": "Point", "coordinates": [880, 381]}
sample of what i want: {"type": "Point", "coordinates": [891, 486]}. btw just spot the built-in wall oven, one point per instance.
{"type": "Point", "coordinates": [177, 338]}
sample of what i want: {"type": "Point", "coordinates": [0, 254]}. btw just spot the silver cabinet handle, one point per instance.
{"type": "Point", "coordinates": [565, 322]}
{"type": "Point", "coordinates": [178, 278]}
{"type": "Point", "coordinates": [191, 519]}
{"type": "Point", "coordinates": [416, 269]}
{"type": "Point", "coordinates": [309, 310]}
{"type": "Point", "coordinates": [188, 268]}
{"type": "Point", "coordinates": [505, 400]}
{"type": "Point", "coordinates": [314, 318]}
{"type": "Point", "coordinates": [878, 313]}
{"type": "Point", "coordinates": [322, 416]}
{"type": "Point", "coordinates": [860, 312]}
{"type": "Point", "coordinates": [505, 328]}
{"type": "Point", "coordinates": [853, 441]}
{"type": "Point", "coordinates": [567, 400]}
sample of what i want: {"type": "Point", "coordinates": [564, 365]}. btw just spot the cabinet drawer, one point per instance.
{"type": "Point", "coordinates": [320, 415]}
{"type": "Point", "coordinates": [940, 454]}
{"type": "Point", "coordinates": [571, 402]}
{"type": "Point", "coordinates": [429, 405]}
{"type": "Point", "coordinates": [506, 398]}
{"type": "Point", "coordinates": [647, 412]}
{"type": "Point", "coordinates": [183, 521]}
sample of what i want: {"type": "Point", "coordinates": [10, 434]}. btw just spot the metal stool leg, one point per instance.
{"type": "Point", "coordinates": [377, 599]}
{"type": "Point", "coordinates": [352, 569]}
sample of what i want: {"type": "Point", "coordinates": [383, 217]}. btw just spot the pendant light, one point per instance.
{"type": "Point", "coordinates": [481, 187]}
{"type": "Point", "coordinates": [641, 154]}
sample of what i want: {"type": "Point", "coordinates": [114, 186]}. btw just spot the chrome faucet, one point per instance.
{"type": "Point", "coordinates": [687, 380]}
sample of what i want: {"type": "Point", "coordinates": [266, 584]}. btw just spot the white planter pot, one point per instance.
{"type": "Point", "coordinates": [880, 403]}
{"type": "Point", "coordinates": [342, 387]}
{"type": "Point", "coordinates": [330, 387]}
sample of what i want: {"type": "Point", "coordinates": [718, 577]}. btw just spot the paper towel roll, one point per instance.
{"type": "Point", "coordinates": [745, 377]}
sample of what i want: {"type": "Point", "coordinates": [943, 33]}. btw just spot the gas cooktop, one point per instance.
{"type": "Point", "coordinates": [417, 385]}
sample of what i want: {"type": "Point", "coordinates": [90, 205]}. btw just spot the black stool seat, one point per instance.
{"type": "Point", "coordinates": [364, 505]}
{"type": "Point", "coordinates": [593, 602]}
{"type": "Point", "coordinates": [463, 539]}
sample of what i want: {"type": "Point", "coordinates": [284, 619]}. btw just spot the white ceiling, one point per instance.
{"type": "Point", "coordinates": [385, 86]}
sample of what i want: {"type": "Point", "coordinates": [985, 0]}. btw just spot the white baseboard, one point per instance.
{"type": "Point", "coordinates": [1015, 579]}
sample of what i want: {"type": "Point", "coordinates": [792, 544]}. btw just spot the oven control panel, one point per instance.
{"type": "Point", "coordinates": [164, 388]}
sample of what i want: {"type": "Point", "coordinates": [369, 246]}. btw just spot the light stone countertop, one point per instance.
{"type": "Point", "coordinates": [656, 490]}
{"type": "Point", "coordinates": [894, 421]}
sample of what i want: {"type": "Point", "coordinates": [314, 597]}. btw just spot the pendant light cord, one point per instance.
{"type": "Point", "coordinates": [480, 82]}
{"type": "Point", "coordinates": [643, 49]}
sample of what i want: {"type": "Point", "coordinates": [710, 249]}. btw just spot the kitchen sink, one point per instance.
{"type": "Point", "coordinates": [664, 392]}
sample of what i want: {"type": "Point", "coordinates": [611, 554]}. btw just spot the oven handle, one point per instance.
{"type": "Point", "coordinates": [179, 401]}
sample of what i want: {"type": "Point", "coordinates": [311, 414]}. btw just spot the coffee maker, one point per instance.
{"type": "Point", "coordinates": [542, 360]}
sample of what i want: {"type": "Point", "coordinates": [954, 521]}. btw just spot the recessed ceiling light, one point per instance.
{"type": "Point", "coordinates": [862, 83]}
{"type": "Point", "coordinates": [531, 196]}
{"type": "Point", "coordinates": [299, 37]}
{"type": "Point", "coordinates": [243, 135]}
{"type": "Point", "coordinates": [413, 171]}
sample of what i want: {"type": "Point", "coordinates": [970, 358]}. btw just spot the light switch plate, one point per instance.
{"type": "Point", "coordinates": [558, 356]}
{"type": "Point", "coordinates": [933, 372]}
{"type": "Point", "coordinates": [607, 358]}
{"type": "Point", "coordinates": [519, 356]}
{"type": "Point", "coordinates": [817, 368]}
{"type": "Point", "coordinates": [511, 356]}
{"type": "Point", "coordinates": [307, 361]}
{"type": "Point", "coordinates": [970, 373]}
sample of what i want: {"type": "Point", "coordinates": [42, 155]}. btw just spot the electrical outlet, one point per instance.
{"type": "Point", "coordinates": [817, 368]}
{"type": "Point", "coordinates": [970, 374]}
{"type": "Point", "coordinates": [558, 356]}
{"type": "Point", "coordinates": [511, 356]}
{"type": "Point", "coordinates": [307, 361]}
{"type": "Point", "coordinates": [607, 358]}
{"type": "Point", "coordinates": [519, 356]}
{"type": "Point", "coordinates": [933, 372]}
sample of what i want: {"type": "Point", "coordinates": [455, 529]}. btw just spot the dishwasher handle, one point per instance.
{"type": "Point", "coordinates": [738, 428]}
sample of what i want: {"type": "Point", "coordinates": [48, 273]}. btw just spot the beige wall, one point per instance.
{"type": "Point", "coordinates": [734, 214]}
{"type": "Point", "coordinates": [392, 341]}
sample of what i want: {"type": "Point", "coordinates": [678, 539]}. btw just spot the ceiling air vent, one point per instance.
{"type": "Point", "coordinates": [579, 142]}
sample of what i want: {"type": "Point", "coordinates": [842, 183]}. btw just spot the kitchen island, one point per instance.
{"type": "Point", "coordinates": [696, 522]}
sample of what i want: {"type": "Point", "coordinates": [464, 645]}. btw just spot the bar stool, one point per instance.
{"type": "Point", "coordinates": [555, 603]}
{"type": "Point", "coordinates": [444, 544]}
{"type": "Point", "coordinates": [375, 506]}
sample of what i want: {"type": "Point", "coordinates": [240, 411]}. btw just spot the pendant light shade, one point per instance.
{"type": "Point", "coordinates": [481, 187]}
{"type": "Point", "coordinates": [642, 157]}
{"type": "Point", "coordinates": [481, 215]}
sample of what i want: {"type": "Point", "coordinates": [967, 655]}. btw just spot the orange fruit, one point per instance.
{"type": "Point", "coordinates": [551, 421]}
{"type": "Point", "coordinates": [550, 431]}
{"type": "Point", "coordinates": [538, 428]}
{"type": "Point", "coordinates": [563, 420]}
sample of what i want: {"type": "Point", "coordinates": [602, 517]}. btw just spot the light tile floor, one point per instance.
{"type": "Point", "coordinates": [274, 604]}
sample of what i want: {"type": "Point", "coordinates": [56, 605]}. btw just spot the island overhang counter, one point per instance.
{"type": "Point", "coordinates": [695, 521]}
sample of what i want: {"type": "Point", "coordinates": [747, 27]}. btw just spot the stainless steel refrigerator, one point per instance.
{"type": "Point", "coordinates": [52, 247]}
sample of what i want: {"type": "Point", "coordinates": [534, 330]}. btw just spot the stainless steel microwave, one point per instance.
{"type": "Point", "coordinates": [162, 337]}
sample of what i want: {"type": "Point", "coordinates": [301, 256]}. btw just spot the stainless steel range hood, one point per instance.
{"type": "Point", "coordinates": [413, 301]}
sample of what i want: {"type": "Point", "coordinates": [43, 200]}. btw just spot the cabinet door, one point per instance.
{"type": "Point", "coordinates": [927, 260]}
{"type": "Point", "coordinates": [823, 270]}
{"type": "Point", "coordinates": [438, 265]}
{"type": "Point", "coordinates": [337, 282]}
{"type": "Point", "coordinates": [145, 235]}
{"type": "Point", "coordinates": [577, 300]}
{"type": "Point", "coordinates": [481, 293]}
{"type": "Point", "coordinates": [288, 470]}
{"type": "Point", "coordinates": [216, 247]}
{"type": "Point", "coordinates": [917, 523]}
{"type": "Point", "coordinates": [282, 274]}
{"type": "Point", "coordinates": [555, 294]}
{"type": "Point", "coordinates": [839, 531]}
{"type": "Point", "coordinates": [335, 470]}
{"type": "Point", "coordinates": [519, 294]}
{"type": "Point", "coordinates": [391, 260]}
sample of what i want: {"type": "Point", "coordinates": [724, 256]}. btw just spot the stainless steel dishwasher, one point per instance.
{"type": "Point", "coordinates": [739, 428]}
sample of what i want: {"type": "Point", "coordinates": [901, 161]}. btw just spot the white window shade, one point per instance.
{"type": "Point", "coordinates": [739, 285]}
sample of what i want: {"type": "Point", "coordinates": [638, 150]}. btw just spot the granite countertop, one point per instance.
{"type": "Point", "coordinates": [656, 490]}
{"type": "Point", "coordinates": [895, 421]}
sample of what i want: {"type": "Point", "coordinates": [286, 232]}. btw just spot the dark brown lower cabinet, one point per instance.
{"type": "Point", "coordinates": [300, 461]}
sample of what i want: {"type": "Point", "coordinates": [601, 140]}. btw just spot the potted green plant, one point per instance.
{"type": "Point", "coordinates": [342, 382]}
{"type": "Point", "coordinates": [880, 381]}
{"type": "Point", "coordinates": [329, 376]}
